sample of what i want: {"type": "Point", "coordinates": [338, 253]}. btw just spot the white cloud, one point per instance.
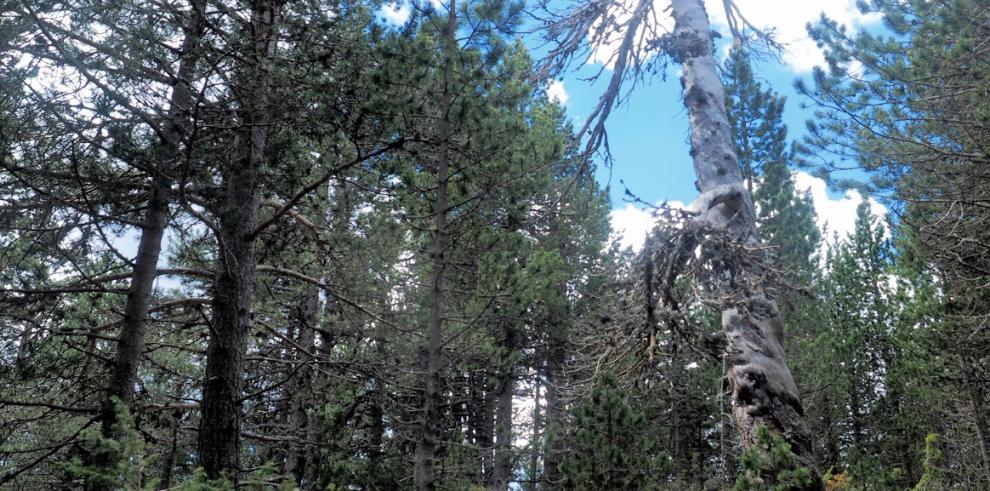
{"type": "Point", "coordinates": [396, 12]}
{"type": "Point", "coordinates": [786, 18]}
{"type": "Point", "coordinates": [557, 92]}
{"type": "Point", "coordinates": [836, 216]}
{"type": "Point", "coordinates": [630, 224]}
{"type": "Point", "coordinates": [622, 11]}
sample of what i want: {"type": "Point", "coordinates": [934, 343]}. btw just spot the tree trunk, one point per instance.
{"type": "Point", "coordinates": [502, 472]}
{"type": "Point", "coordinates": [482, 413]}
{"type": "Point", "coordinates": [429, 436]}
{"type": "Point", "coordinates": [301, 392]}
{"type": "Point", "coordinates": [316, 426]}
{"type": "Point", "coordinates": [980, 421]}
{"type": "Point", "coordinates": [219, 431]}
{"type": "Point", "coordinates": [762, 388]}
{"type": "Point", "coordinates": [168, 460]}
{"type": "Point", "coordinates": [534, 440]}
{"type": "Point", "coordinates": [553, 476]}
{"type": "Point", "coordinates": [130, 344]}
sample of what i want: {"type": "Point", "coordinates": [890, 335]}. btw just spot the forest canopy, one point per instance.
{"type": "Point", "coordinates": [327, 245]}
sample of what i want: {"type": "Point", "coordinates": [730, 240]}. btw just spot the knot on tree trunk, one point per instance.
{"type": "Point", "coordinates": [686, 44]}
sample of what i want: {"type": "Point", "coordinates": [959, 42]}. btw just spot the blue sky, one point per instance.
{"type": "Point", "coordinates": [648, 133]}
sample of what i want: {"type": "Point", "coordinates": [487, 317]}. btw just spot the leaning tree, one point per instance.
{"type": "Point", "coordinates": [635, 39]}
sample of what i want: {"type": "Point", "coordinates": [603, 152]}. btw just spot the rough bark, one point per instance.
{"type": "Point", "coordinates": [168, 460]}
{"type": "Point", "coordinates": [219, 432]}
{"type": "Point", "coordinates": [130, 344]}
{"type": "Point", "coordinates": [429, 432]}
{"type": "Point", "coordinates": [762, 388]}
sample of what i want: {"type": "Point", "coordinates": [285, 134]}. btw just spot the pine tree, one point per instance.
{"type": "Point", "coordinates": [922, 145]}
{"type": "Point", "coordinates": [754, 116]}
{"type": "Point", "coordinates": [608, 447]}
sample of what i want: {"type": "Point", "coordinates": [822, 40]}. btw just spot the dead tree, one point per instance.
{"type": "Point", "coordinates": [762, 389]}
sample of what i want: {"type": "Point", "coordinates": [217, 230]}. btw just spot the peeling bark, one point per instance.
{"type": "Point", "coordinates": [763, 390]}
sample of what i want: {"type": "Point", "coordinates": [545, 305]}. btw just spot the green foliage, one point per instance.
{"type": "Point", "coordinates": [771, 465]}
{"type": "Point", "coordinates": [934, 477]}
{"type": "Point", "coordinates": [198, 481]}
{"type": "Point", "coordinates": [124, 456]}
{"type": "Point", "coordinates": [754, 117]}
{"type": "Point", "coordinates": [609, 444]}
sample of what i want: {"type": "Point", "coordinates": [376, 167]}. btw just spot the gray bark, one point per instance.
{"type": "Point", "coordinates": [763, 390]}
{"type": "Point", "coordinates": [130, 344]}
{"type": "Point", "coordinates": [429, 432]}
{"type": "Point", "coordinates": [219, 432]}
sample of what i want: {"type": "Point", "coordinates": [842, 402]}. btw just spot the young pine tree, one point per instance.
{"type": "Point", "coordinates": [609, 448]}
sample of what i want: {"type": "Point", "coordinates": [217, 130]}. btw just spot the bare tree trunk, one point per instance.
{"type": "Point", "coordinates": [130, 344]}
{"type": "Point", "coordinates": [219, 432]}
{"type": "Point", "coordinates": [763, 390]}
{"type": "Point", "coordinates": [429, 436]}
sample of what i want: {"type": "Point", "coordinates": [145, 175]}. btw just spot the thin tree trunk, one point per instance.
{"type": "Point", "coordinates": [301, 393]}
{"type": "Point", "coordinates": [855, 414]}
{"type": "Point", "coordinates": [130, 344]}
{"type": "Point", "coordinates": [763, 390]}
{"type": "Point", "coordinates": [534, 456]}
{"type": "Point", "coordinates": [676, 399]}
{"type": "Point", "coordinates": [502, 472]}
{"type": "Point", "coordinates": [316, 426]}
{"type": "Point", "coordinates": [483, 401]}
{"type": "Point", "coordinates": [219, 432]}
{"type": "Point", "coordinates": [168, 460]}
{"type": "Point", "coordinates": [980, 420]}
{"type": "Point", "coordinates": [555, 411]}
{"type": "Point", "coordinates": [429, 436]}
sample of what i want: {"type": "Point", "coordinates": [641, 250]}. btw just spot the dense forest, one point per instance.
{"type": "Point", "coordinates": [287, 244]}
